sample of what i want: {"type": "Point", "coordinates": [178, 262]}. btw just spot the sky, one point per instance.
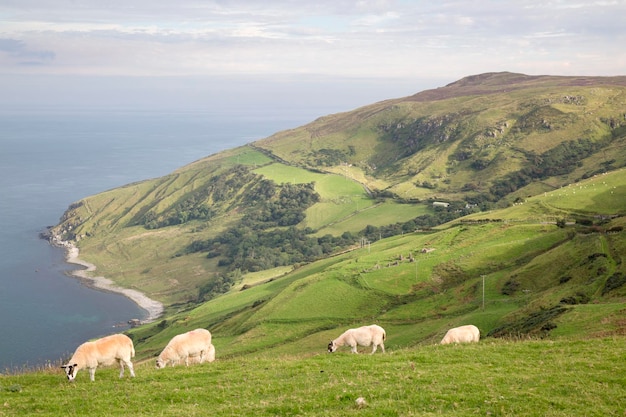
{"type": "Point", "coordinates": [325, 55]}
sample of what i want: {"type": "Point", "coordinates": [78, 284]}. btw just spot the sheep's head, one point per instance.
{"type": "Point", "coordinates": [332, 346]}
{"type": "Point", "coordinates": [160, 363]}
{"type": "Point", "coordinates": [70, 371]}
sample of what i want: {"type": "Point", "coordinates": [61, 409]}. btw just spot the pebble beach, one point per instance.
{"type": "Point", "coordinates": [152, 307]}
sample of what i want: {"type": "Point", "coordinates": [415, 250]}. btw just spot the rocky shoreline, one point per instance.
{"type": "Point", "coordinates": [153, 308]}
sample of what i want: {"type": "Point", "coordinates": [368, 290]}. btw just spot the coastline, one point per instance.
{"type": "Point", "coordinates": [152, 307]}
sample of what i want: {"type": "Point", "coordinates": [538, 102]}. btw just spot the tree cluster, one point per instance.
{"type": "Point", "coordinates": [218, 285]}
{"type": "Point", "coordinates": [183, 212]}
{"type": "Point", "coordinates": [328, 157]}
{"type": "Point", "coordinates": [284, 209]}
{"type": "Point", "coordinates": [615, 281]}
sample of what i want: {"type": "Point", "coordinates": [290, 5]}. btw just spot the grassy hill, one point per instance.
{"type": "Point", "coordinates": [458, 141]}
{"type": "Point", "coordinates": [540, 280]}
{"type": "Point", "coordinates": [279, 245]}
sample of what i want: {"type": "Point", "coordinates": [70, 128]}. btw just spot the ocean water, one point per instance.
{"type": "Point", "coordinates": [51, 158]}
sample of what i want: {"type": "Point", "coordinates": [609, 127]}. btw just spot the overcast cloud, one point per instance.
{"type": "Point", "coordinates": [369, 42]}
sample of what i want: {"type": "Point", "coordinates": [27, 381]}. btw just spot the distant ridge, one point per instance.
{"type": "Point", "coordinates": [501, 82]}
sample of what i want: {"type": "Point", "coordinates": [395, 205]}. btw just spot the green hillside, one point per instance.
{"type": "Point", "coordinates": [547, 271]}
{"type": "Point", "coordinates": [404, 212]}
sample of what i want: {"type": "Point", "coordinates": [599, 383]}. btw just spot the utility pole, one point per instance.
{"type": "Point", "coordinates": [483, 277]}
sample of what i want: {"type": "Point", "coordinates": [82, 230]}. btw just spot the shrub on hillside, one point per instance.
{"type": "Point", "coordinates": [614, 281]}
{"type": "Point", "coordinates": [534, 324]}
{"type": "Point", "coordinates": [578, 298]}
{"type": "Point", "coordinates": [510, 287]}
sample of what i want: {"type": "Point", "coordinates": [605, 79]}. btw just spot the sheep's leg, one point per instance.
{"type": "Point", "coordinates": [374, 348]}
{"type": "Point", "coordinates": [121, 362]}
{"type": "Point", "coordinates": [92, 374]}
{"type": "Point", "coordinates": [382, 346]}
{"type": "Point", "coordinates": [130, 368]}
{"type": "Point", "coordinates": [186, 360]}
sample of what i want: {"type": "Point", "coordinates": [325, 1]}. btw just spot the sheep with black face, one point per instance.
{"type": "Point", "coordinates": [373, 335]}
{"type": "Point", "coordinates": [105, 351]}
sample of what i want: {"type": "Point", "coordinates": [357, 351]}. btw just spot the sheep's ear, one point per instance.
{"type": "Point", "coordinates": [75, 365]}
{"type": "Point", "coordinates": [63, 366]}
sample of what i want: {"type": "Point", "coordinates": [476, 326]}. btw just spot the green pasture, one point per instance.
{"type": "Point", "coordinates": [380, 214]}
{"type": "Point", "coordinates": [330, 212]}
{"type": "Point", "coordinates": [397, 265]}
{"type": "Point", "coordinates": [255, 278]}
{"type": "Point", "coordinates": [585, 318]}
{"type": "Point", "coordinates": [603, 194]}
{"type": "Point", "coordinates": [563, 377]}
{"type": "Point", "coordinates": [249, 156]}
{"type": "Point", "coordinates": [600, 195]}
{"type": "Point", "coordinates": [341, 199]}
{"type": "Point", "coordinates": [336, 187]}
{"type": "Point", "coordinates": [329, 298]}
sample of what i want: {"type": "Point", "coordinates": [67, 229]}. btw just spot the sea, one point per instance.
{"type": "Point", "coordinates": [50, 158]}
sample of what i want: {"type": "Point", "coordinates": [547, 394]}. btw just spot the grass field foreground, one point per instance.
{"type": "Point", "coordinates": [492, 378]}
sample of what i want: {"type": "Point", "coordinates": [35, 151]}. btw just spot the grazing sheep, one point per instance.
{"type": "Point", "coordinates": [363, 336]}
{"type": "Point", "coordinates": [210, 356]}
{"type": "Point", "coordinates": [463, 334]}
{"type": "Point", "coordinates": [104, 351]}
{"type": "Point", "coordinates": [195, 343]}
{"type": "Point", "coordinates": [195, 359]}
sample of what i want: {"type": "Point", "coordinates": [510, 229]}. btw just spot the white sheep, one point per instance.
{"type": "Point", "coordinates": [362, 336]}
{"type": "Point", "coordinates": [210, 357]}
{"type": "Point", "coordinates": [105, 351]}
{"type": "Point", "coordinates": [463, 334]}
{"type": "Point", "coordinates": [195, 359]}
{"type": "Point", "coordinates": [195, 343]}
